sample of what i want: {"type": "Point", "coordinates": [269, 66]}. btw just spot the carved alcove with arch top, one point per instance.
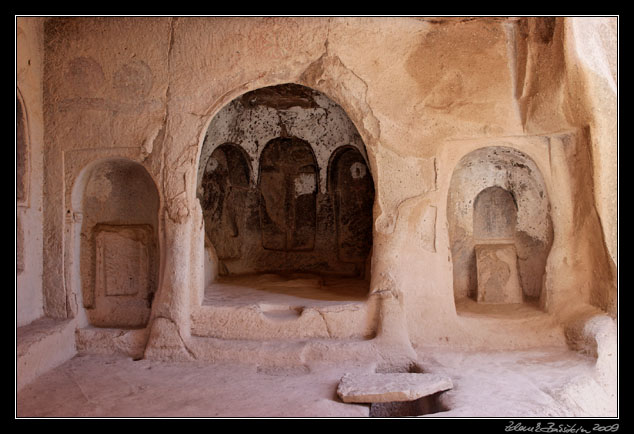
{"type": "Point", "coordinates": [285, 187]}
{"type": "Point", "coordinates": [500, 227]}
{"type": "Point", "coordinates": [117, 207]}
{"type": "Point", "coordinates": [22, 175]}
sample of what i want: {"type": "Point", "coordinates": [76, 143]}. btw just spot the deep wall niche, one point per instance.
{"type": "Point", "coordinates": [288, 196]}
{"type": "Point", "coordinates": [119, 257]}
{"type": "Point", "coordinates": [285, 186]}
{"type": "Point", "coordinates": [225, 186]}
{"type": "Point", "coordinates": [22, 174]}
{"type": "Point", "coordinates": [500, 228]}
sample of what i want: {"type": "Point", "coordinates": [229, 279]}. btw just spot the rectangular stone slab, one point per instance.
{"type": "Point", "coordinates": [498, 279]}
{"type": "Point", "coordinates": [376, 387]}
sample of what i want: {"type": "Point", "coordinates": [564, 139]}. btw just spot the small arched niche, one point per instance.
{"type": "Point", "coordinates": [500, 227]}
{"type": "Point", "coordinates": [225, 186]}
{"type": "Point", "coordinates": [494, 215]}
{"type": "Point", "coordinates": [21, 176]}
{"type": "Point", "coordinates": [288, 196]}
{"type": "Point", "coordinates": [352, 192]}
{"type": "Point", "coordinates": [22, 151]}
{"type": "Point", "coordinates": [494, 222]}
{"type": "Point", "coordinates": [305, 214]}
{"type": "Point", "coordinates": [118, 248]}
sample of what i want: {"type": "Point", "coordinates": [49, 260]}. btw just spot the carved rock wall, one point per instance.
{"type": "Point", "coordinates": [420, 92]}
{"type": "Point", "coordinates": [119, 245]}
{"type": "Point", "coordinates": [285, 186]}
{"type": "Point", "coordinates": [530, 226]}
{"type": "Point", "coordinates": [29, 170]}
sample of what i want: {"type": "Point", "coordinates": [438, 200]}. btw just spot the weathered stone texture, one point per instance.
{"type": "Point", "coordinates": [355, 146]}
{"type": "Point", "coordinates": [119, 256]}
{"type": "Point", "coordinates": [499, 193]}
{"type": "Point", "coordinates": [498, 280]}
{"type": "Point", "coordinates": [29, 148]}
{"type": "Point", "coordinates": [494, 215]}
{"type": "Point", "coordinates": [285, 186]}
{"type": "Point", "coordinates": [122, 263]}
{"type": "Point", "coordinates": [390, 387]}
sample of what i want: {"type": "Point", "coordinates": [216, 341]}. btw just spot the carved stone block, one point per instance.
{"type": "Point", "coordinates": [498, 279]}
{"type": "Point", "coordinates": [122, 263]}
{"type": "Point", "coordinates": [123, 275]}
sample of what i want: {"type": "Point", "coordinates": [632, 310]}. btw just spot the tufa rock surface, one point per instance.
{"type": "Point", "coordinates": [390, 387]}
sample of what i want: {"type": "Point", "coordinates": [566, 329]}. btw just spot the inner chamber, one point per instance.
{"type": "Point", "coordinates": [287, 195]}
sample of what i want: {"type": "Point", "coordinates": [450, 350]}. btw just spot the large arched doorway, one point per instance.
{"type": "Point", "coordinates": [286, 194]}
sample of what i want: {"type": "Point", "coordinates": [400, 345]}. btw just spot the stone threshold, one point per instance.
{"type": "Point", "coordinates": [270, 307]}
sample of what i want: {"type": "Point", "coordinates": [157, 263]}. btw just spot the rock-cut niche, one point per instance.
{"type": "Point", "coordinates": [119, 244]}
{"type": "Point", "coordinates": [500, 227]}
{"type": "Point", "coordinates": [21, 152]}
{"type": "Point", "coordinates": [285, 186]}
{"type": "Point", "coordinates": [21, 176]}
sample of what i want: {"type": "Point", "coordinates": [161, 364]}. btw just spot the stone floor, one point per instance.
{"type": "Point", "coordinates": [275, 288]}
{"type": "Point", "coordinates": [534, 383]}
